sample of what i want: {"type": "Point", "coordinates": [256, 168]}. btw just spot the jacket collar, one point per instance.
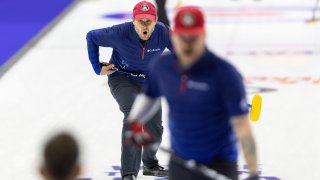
{"type": "Point", "coordinates": [200, 63]}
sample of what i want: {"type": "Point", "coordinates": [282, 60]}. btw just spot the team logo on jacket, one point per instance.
{"type": "Point", "coordinates": [188, 19]}
{"type": "Point", "coordinates": [200, 86]}
{"type": "Point", "coordinates": [153, 50]}
{"type": "Point", "coordinates": [144, 7]}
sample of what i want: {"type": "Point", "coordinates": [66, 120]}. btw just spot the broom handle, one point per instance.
{"type": "Point", "coordinates": [315, 10]}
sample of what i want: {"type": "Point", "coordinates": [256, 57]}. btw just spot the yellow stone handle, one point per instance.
{"type": "Point", "coordinates": [256, 108]}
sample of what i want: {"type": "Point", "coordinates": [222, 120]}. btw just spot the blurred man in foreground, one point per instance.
{"type": "Point", "coordinates": [208, 111]}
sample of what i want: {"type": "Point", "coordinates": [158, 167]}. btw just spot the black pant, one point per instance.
{"type": "Point", "coordinates": [179, 172]}
{"type": "Point", "coordinates": [125, 90]}
{"type": "Point", "coordinates": [162, 13]}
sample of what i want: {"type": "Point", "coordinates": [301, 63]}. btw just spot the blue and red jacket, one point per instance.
{"type": "Point", "coordinates": [128, 53]}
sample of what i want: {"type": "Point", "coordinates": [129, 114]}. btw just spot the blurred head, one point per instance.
{"type": "Point", "coordinates": [60, 158]}
{"type": "Point", "coordinates": [144, 19]}
{"type": "Point", "coordinates": [188, 35]}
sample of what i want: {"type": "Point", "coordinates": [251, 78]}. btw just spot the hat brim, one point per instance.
{"type": "Point", "coordinates": [194, 31]}
{"type": "Point", "coordinates": [145, 16]}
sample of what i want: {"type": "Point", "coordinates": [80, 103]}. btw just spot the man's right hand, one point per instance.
{"type": "Point", "coordinates": [106, 69]}
{"type": "Point", "coordinates": [138, 135]}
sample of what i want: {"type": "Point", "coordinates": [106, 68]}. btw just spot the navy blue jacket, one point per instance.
{"type": "Point", "coordinates": [128, 53]}
{"type": "Point", "coordinates": [201, 100]}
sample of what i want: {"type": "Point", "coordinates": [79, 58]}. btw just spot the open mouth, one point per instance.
{"type": "Point", "coordinates": [145, 32]}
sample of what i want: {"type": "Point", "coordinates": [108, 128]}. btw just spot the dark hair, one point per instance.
{"type": "Point", "coordinates": [61, 155]}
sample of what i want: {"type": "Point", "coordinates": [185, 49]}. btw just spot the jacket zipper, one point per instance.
{"type": "Point", "coordinates": [143, 48]}
{"type": "Point", "coordinates": [183, 83]}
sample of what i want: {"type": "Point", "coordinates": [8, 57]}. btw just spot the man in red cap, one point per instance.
{"type": "Point", "coordinates": [208, 111]}
{"type": "Point", "coordinates": [135, 44]}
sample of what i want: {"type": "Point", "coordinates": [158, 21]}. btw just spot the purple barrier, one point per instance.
{"type": "Point", "coordinates": [21, 20]}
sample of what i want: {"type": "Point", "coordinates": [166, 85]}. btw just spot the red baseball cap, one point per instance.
{"type": "Point", "coordinates": [189, 19]}
{"type": "Point", "coordinates": [145, 9]}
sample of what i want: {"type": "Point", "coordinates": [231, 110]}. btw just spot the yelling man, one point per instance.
{"type": "Point", "coordinates": [134, 45]}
